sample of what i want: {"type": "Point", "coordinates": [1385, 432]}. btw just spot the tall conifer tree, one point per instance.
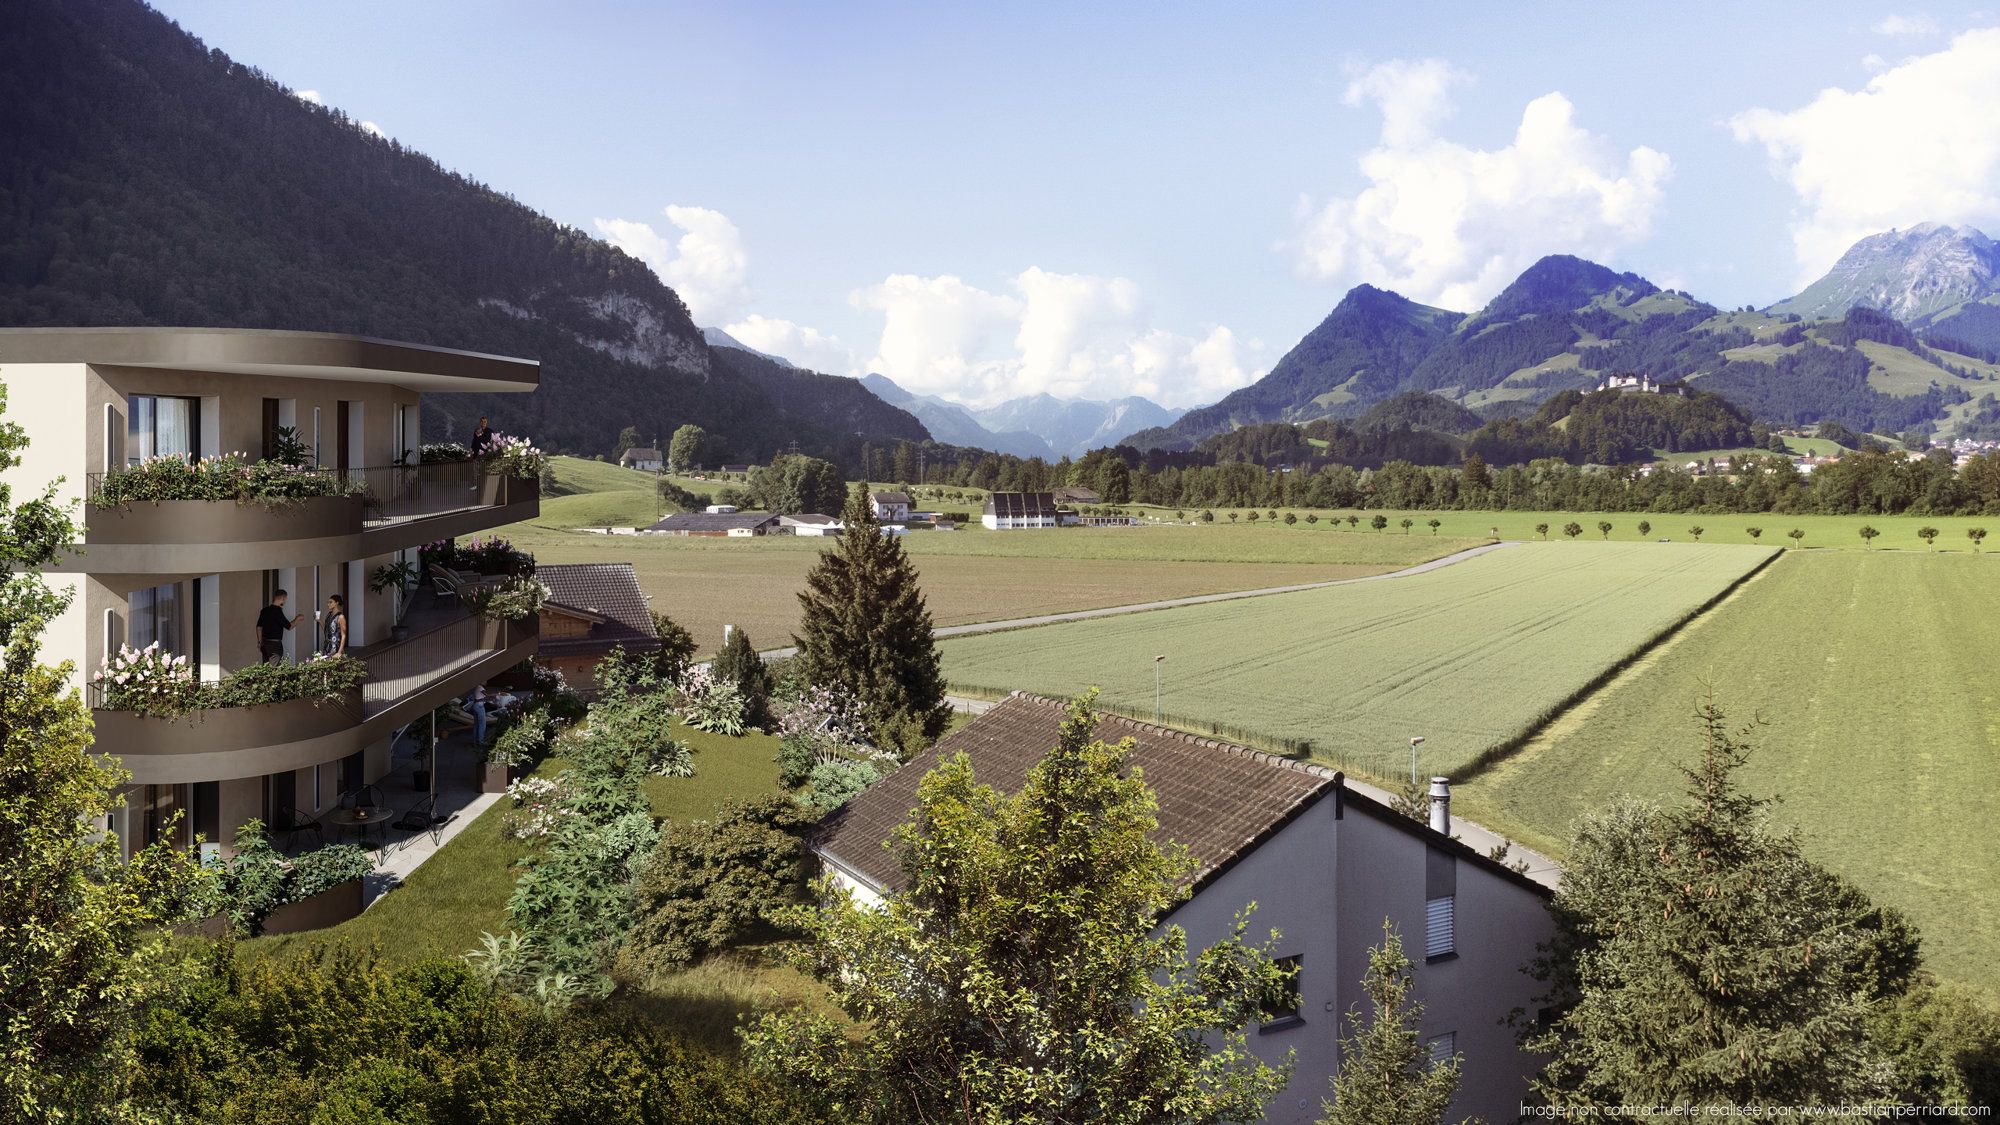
{"type": "Point", "coordinates": [867, 631]}
{"type": "Point", "coordinates": [1386, 1076]}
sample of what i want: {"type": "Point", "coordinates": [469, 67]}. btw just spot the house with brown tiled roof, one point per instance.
{"type": "Point", "coordinates": [644, 458]}
{"type": "Point", "coordinates": [592, 608]}
{"type": "Point", "coordinates": [889, 507]}
{"type": "Point", "coordinates": [1324, 862]}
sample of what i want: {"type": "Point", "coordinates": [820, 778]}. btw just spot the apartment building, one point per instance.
{"type": "Point", "coordinates": [192, 575]}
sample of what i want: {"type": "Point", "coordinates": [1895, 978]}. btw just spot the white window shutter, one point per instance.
{"type": "Point", "coordinates": [1439, 929]}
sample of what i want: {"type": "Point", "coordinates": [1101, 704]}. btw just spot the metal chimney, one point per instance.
{"type": "Point", "coordinates": [1441, 805]}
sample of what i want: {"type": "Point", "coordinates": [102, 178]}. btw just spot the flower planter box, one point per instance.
{"type": "Point", "coordinates": [327, 908]}
{"type": "Point", "coordinates": [492, 777]}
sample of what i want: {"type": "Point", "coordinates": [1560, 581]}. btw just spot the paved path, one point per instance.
{"type": "Point", "coordinates": [1197, 599]}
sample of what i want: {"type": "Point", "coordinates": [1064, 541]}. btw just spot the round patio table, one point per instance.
{"type": "Point", "coordinates": [362, 820]}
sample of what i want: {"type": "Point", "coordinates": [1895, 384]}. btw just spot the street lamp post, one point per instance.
{"type": "Point", "coordinates": [1157, 661]}
{"type": "Point", "coordinates": [1414, 743]}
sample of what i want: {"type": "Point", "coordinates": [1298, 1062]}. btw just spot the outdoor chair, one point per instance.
{"type": "Point", "coordinates": [365, 796]}
{"type": "Point", "coordinates": [422, 817]}
{"type": "Point", "coordinates": [291, 823]}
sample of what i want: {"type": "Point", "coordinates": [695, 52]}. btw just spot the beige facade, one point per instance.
{"type": "Point", "coordinates": [194, 575]}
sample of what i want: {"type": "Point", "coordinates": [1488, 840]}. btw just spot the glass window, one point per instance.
{"type": "Point", "coordinates": [156, 617]}
{"type": "Point", "coordinates": [161, 425]}
{"type": "Point", "coordinates": [1285, 1005]}
{"type": "Point", "coordinates": [1443, 1047]}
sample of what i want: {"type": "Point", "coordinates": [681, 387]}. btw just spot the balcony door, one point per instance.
{"type": "Point", "coordinates": [161, 426]}
{"type": "Point", "coordinates": [159, 615]}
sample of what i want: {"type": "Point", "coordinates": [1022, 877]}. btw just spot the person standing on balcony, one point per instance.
{"type": "Point", "coordinates": [272, 625]}
{"type": "Point", "coordinates": [334, 636]}
{"type": "Point", "coordinates": [482, 438]}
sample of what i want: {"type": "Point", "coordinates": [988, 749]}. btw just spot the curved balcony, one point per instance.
{"type": "Point", "coordinates": [404, 506]}
{"type": "Point", "coordinates": [447, 653]}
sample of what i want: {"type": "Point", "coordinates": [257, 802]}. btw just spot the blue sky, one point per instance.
{"type": "Point", "coordinates": [1158, 198]}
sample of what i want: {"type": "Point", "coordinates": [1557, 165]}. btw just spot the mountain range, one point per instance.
{"type": "Point", "coordinates": [1902, 335]}
{"type": "Point", "coordinates": [1040, 425]}
{"type": "Point", "coordinates": [146, 179]}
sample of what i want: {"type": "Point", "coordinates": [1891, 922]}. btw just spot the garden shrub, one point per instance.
{"type": "Point", "coordinates": [831, 784]}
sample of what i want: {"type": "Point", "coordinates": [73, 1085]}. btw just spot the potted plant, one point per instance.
{"type": "Point", "coordinates": [399, 576]}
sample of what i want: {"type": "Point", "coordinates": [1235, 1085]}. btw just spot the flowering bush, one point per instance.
{"type": "Point", "coordinates": [441, 452]}
{"type": "Point", "coordinates": [150, 680]}
{"type": "Point", "coordinates": [539, 806]}
{"type": "Point", "coordinates": [515, 456]}
{"type": "Point", "coordinates": [231, 476]}
{"type": "Point", "coordinates": [481, 556]}
{"type": "Point", "coordinates": [820, 725]}
{"type": "Point", "coordinates": [709, 704]}
{"type": "Point", "coordinates": [258, 880]}
{"type": "Point", "coordinates": [514, 599]}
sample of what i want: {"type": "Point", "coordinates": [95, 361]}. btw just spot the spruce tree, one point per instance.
{"type": "Point", "coordinates": [866, 631]}
{"type": "Point", "coordinates": [1386, 1077]}
{"type": "Point", "coordinates": [1701, 960]}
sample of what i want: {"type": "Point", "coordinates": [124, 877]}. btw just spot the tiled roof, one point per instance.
{"type": "Point", "coordinates": [1216, 799]}
{"type": "Point", "coordinates": [1021, 505]}
{"type": "Point", "coordinates": [809, 518]}
{"type": "Point", "coordinates": [608, 590]}
{"type": "Point", "coordinates": [712, 521]}
{"type": "Point", "coordinates": [640, 453]}
{"type": "Point", "coordinates": [1075, 495]}
{"type": "Point", "coordinates": [890, 497]}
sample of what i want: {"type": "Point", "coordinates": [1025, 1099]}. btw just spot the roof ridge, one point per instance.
{"type": "Point", "coordinates": [1206, 742]}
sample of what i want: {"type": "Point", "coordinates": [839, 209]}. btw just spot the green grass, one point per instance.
{"type": "Point", "coordinates": [1874, 674]}
{"type": "Point", "coordinates": [461, 891]}
{"type": "Point", "coordinates": [1471, 656]}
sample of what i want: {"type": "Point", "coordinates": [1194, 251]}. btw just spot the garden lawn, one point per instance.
{"type": "Point", "coordinates": [753, 583]}
{"type": "Point", "coordinates": [462, 891]}
{"type": "Point", "coordinates": [1878, 678]}
{"type": "Point", "coordinates": [1471, 656]}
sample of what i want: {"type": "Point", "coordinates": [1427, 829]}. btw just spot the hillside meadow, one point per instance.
{"type": "Point", "coordinates": [1472, 657]}
{"type": "Point", "coordinates": [1873, 677]}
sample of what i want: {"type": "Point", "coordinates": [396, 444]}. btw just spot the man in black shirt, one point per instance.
{"type": "Point", "coordinates": [482, 438]}
{"type": "Point", "coordinates": [272, 625]}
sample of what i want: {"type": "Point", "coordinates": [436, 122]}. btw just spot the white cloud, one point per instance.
{"type": "Point", "coordinates": [1450, 224]}
{"type": "Point", "coordinates": [1070, 335]}
{"type": "Point", "coordinates": [707, 264]}
{"type": "Point", "coordinates": [1918, 143]}
{"type": "Point", "coordinates": [807, 347]}
{"type": "Point", "coordinates": [372, 129]}
{"type": "Point", "coordinates": [308, 96]}
{"type": "Point", "coordinates": [1911, 25]}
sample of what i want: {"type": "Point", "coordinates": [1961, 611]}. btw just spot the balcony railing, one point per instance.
{"type": "Point", "coordinates": [402, 492]}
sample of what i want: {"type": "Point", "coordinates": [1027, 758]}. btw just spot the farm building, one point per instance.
{"type": "Point", "coordinates": [808, 523]}
{"type": "Point", "coordinates": [717, 524]}
{"type": "Point", "coordinates": [592, 608]}
{"type": "Point", "coordinates": [889, 507]}
{"type": "Point", "coordinates": [1009, 511]}
{"type": "Point", "coordinates": [1108, 521]}
{"type": "Point", "coordinates": [1074, 495]}
{"type": "Point", "coordinates": [642, 458]}
{"type": "Point", "coordinates": [1325, 864]}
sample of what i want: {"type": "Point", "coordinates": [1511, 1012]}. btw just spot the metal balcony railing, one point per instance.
{"type": "Point", "coordinates": [399, 492]}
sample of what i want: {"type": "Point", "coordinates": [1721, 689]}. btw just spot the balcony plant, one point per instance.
{"type": "Point", "coordinates": [258, 880]}
{"type": "Point", "coordinates": [157, 683]}
{"type": "Point", "coordinates": [516, 457]}
{"type": "Point", "coordinates": [400, 576]}
{"type": "Point", "coordinates": [443, 452]}
{"type": "Point", "coordinates": [513, 599]}
{"type": "Point", "coordinates": [486, 557]}
{"type": "Point", "coordinates": [231, 476]}
{"type": "Point", "coordinates": [150, 681]}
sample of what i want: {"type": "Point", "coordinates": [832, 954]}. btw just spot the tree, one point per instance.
{"type": "Point", "coordinates": [1604, 529]}
{"type": "Point", "coordinates": [1796, 534]}
{"type": "Point", "coordinates": [675, 498]}
{"type": "Point", "coordinates": [688, 449]}
{"type": "Point", "coordinates": [1701, 960]}
{"type": "Point", "coordinates": [1018, 976]}
{"type": "Point", "coordinates": [1386, 1076]}
{"type": "Point", "coordinates": [1378, 522]}
{"type": "Point", "coordinates": [794, 483]}
{"type": "Point", "coordinates": [677, 648]}
{"type": "Point", "coordinates": [1645, 528]}
{"type": "Point", "coordinates": [1755, 533]}
{"type": "Point", "coordinates": [1696, 532]}
{"type": "Point", "coordinates": [1291, 518]}
{"type": "Point", "coordinates": [1542, 530]}
{"type": "Point", "coordinates": [1977, 535]}
{"type": "Point", "coordinates": [1868, 534]}
{"type": "Point", "coordinates": [1929, 536]}
{"type": "Point", "coordinates": [81, 930]}
{"type": "Point", "coordinates": [1434, 524]}
{"type": "Point", "coordinates": [739, 664]}
{"type": "Point", "coordinates": [1572, 529]}
{"type": "Point", "coordinates": [867, 631]}
{"type": "Point", "coordinates": [1353, 522]}
{"type": "Point", "coordinates": [709, 882]}
{"type": "Point", "coordinates": [627, 439]}
{"type": "Point", "coordinates": [1254, 517]}
{"type": "Point", "coordinates": [1406, 523]}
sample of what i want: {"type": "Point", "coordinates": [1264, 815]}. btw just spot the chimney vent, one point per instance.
{"type": "Point", "coordinates": [1441, 805]}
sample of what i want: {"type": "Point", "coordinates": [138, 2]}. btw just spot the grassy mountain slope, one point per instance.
{"type": "Point", "coordinates": [146, 179]}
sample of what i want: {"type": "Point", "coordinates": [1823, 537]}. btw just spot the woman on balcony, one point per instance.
{"type": "Point", "coordinates": [333, 640]}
